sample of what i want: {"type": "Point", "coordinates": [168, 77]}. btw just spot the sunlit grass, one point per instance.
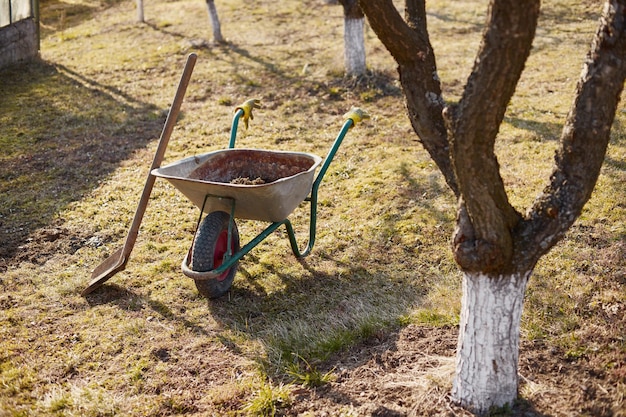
{"type": "Point", "coordinates": [148, 344]}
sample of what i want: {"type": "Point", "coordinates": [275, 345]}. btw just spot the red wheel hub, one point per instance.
{"type": "Point", "coordinates": [221, 249]}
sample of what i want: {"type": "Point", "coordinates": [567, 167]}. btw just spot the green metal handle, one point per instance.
{"type": "Point", "coordinates": [354, 116]}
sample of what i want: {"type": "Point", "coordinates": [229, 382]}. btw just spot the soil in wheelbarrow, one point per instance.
{"type": "Point", "coordinates": [246, 167]}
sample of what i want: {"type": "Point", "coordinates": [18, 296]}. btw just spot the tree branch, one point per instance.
{"type": "Point", "coordinates": [472, 129]}
{"type": "Point", "coordinates": [411, 48]}
{"type": "Point", "coordinates": [415, 15]}
{"type": "Point", "coordinates": [404, 44]}
{"type": "Point", "coordinates": [584, 139]}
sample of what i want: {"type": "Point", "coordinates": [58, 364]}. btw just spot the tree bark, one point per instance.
{"type": "Point", "coordinates": [353, 38]}
{"type": "Point", "coordinates": [483, 239]}
{"type": "Point", "coordinates": [215, 21]}
{"type": "Point", "coordinates": [488, 346]}
{"type": "Point", "coordinates": [354, 46]}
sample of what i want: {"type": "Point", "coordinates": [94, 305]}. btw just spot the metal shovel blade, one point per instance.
{"type": "Point", "coordinates": [111, 266]}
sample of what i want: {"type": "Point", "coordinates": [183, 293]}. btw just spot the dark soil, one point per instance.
{"type": "Point", "coordinates": [407, 373]}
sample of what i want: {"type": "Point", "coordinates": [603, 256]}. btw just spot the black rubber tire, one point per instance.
{"type": "Point", "coordinates": [207, 253]}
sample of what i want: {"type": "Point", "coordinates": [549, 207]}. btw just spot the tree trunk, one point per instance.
{"type": "Point", "coordinates": [353, 39]}
{"type": "Point", "coordinates": [354, 46]}
{"type": "Point", "coordinates": [140, 17]}
{"type": "Point", "coordinates": [488, 346]}
{"type": "Point", "coordinates": [484, 238]}
{"type": "Point", "coordinates": [215, 21]}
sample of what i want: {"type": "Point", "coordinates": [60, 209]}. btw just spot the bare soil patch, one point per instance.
{"type": "Point", "coordinates": [408, 373]}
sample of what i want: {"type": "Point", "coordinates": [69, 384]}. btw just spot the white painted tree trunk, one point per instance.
{"type": "Point", "coordinates": [140, 17]}
{"type": "Point", "coordinates": [215, 21]}
{"type": "Point", "coordinates": [488, 346]}
{"type": "Point", "coordinates": [354, 46]}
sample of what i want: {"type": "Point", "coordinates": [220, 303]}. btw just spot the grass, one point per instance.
{"type": "Point", "coordinates": [78, 130]}
{"type": "Point", "coordinates": [308, 375]}
{"type": "Point", "coordinates": [268, 400]}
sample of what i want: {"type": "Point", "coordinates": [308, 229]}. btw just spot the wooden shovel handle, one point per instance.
{"type": "Point", "coordinates": [117, 262]}
{"type": "Point", "coordinates": [160, 152]}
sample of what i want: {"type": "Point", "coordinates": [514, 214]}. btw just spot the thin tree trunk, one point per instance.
{"type": "Point", "coordinates": [215, 21]}
{"type": "Point", "coordinates": [354, 45]}
{"type": "Point", "coordinates": [353, 39]}
{"type": "Point", "coordinates": [488, 346]}
{"type": "Point", "coordinates": [140, 17]}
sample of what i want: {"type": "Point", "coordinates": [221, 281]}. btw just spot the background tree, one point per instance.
{"type": "Point", "coordinates": [140, 16]}
{"type": "Point", "coordinates": [215, 21]}
{"type": "Point", "coordinates": [353, 37]}
{"type": "Point", "coordinates": [495, 246]}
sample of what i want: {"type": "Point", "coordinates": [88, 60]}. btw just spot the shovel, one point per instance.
{"type": "Point", "coordinates": [117, 262]}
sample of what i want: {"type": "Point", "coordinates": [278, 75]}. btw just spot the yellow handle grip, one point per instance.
{"type": "Point", "coordinates": [356, 115]}
{"type": "Point", "coordinates": [247, 107]}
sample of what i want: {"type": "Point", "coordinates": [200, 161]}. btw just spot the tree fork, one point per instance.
{"type": "Point", "coordinates": [472, 128]}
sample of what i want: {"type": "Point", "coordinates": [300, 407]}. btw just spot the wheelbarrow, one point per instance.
{"type": "Point", "coordinates": [255, 184]}
{"type": "Point", "coordinates": [242, 183]}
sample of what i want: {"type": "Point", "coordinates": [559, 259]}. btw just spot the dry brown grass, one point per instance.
{"type": "Point", "coordinates": [378, 299]}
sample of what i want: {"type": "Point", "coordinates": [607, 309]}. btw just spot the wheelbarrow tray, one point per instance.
{"type": "Point", "coordinates": [264, 185]}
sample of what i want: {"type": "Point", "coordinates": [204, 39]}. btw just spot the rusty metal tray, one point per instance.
{"type": "Point", "coordinates": [264, 185]}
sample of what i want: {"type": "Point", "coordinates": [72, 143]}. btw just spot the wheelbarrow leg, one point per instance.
{"type": "Point", "coordinates": [352, 117]}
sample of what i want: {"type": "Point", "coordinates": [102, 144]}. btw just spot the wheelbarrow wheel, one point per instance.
{"type": "Point", "coordinates": [208, 251]}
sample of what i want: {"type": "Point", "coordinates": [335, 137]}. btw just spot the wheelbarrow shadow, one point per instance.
{"type": "Point", "coordinates": [352, 296]}
{"type": "Point", "coordinates": [128, 300]}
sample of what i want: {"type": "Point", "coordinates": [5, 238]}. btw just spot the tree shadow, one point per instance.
{"type": "Point", "coordinates": [67, 133]}
{"type": "Point", "coordinates": [547, 131]}
{"type": "Point", "coordinates": [370, 87]}
{"type": "Point", "coordinates": [59, 15]}
{"type": "Point", "coordinates": [197, 44]}
{"type": "Point", "coordinates": [460, 26]}
{"type": "Point", "coordinates": [562, 13]}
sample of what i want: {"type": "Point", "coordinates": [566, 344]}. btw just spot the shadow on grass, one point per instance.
{"type": "Point", "coordinates": [547, 131]}
{"type": "Point", "coordinates": [252, 310]}
{"type": "Point", "coordinates": [58, 15]}
{"type": "Point", "coordinates": [61, 134]}
{"type": "Point", "coordinates": [130, 301]}
{"type": "Point", "coordinates": [380, 349]}
{"type": "Point", "coordinates": [369, 87]}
